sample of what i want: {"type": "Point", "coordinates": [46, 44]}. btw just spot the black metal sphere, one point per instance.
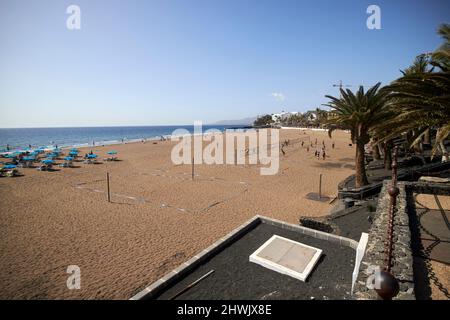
{"type": "Point", "coordinates": [389, 287]}
{"type": "Point", "coordinates": [393, 191]}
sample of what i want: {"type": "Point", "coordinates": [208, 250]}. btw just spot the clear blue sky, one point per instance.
{"type": "Point", "coordinates": [173, 62]}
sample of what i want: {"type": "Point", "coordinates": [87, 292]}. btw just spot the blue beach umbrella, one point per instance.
{"type": "Point", "coordinates": [92, 156]}
{"type": "Point", "coordinates": [68, 158]}
{"type": "Point", "coordinates": [28, 158]}
{"type": "Point", "coordinates": [112, 152]}
{"type": "Point", "coordinates": [47, 161]}
{"type": "Point", "coordinates": [73, 153]}
{"type": "Point", "coordinates": [10, 166]}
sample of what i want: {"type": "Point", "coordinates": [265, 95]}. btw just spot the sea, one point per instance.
{"type": "Point", "coordinates": [23, 138]}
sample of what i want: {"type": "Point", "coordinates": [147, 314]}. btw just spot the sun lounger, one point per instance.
{"type": "Point", "coordinates": [26, 164]}
{"type": "Point", "coordinates": [66, 164]}
{"type": "Point", "coordinates": [9, 172]}
{"type": "Point", "coordinates": [110, 159]}
{"type": "Point", "coordinates": [90, 159]}
{"type": "Point", "coordinates": [45, 167]}
{"type": "Point", "coordinates": [12, 173]}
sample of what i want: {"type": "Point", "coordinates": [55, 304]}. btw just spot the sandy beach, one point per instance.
{"type": "Point", "coordinates": [158, 217]}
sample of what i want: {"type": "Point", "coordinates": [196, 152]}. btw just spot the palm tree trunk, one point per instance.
{"type": "Point", "coordinates": [418, 145]}
{"type": "Point", "coordinates": [388, 155]}
{"type": "Point", "coordinates": [380, 149]}
{"type": "Point", "coordinates": [376, 152]}
{"type": "Point", "coordinates": [443, 151]}
{"type": "Point", "coordinates": [361, 177]}
{"type": "Point", "coordinates": [441, 144]}
{"type": "Point", "coordinates": [426, 137]}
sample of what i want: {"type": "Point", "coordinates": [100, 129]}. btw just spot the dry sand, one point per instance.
{"type": "Point", "coordinates": [158, 217]}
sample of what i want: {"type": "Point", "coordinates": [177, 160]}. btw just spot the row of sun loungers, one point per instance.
{"type": "Point", "coordinates": [35, 158]}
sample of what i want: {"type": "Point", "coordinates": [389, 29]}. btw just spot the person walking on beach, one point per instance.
{"type": "Point", "coordinates": [90, 152]}
{"type": "Point", "coordinates": [323, 154]}
{"type": "Point", "coordinates": [7, 147]}
{"type": "Point", "coordinates": [332, 145]}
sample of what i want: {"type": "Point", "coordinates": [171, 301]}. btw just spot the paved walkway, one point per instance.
{"type": "Point", "coordinates": [433, 215]}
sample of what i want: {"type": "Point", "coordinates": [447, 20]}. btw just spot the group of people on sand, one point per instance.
{"type": "Point", "coordinates": [318, 152]}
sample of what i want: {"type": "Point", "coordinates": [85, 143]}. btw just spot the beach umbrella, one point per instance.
{"type": "Point", "coordinates": [28, 158]}
{"type": "Point", "coordinates": [74, 149]}
{"type": "Point", "coordinates": [68, 158]}
{"type": "Point", "coordinates": [92, 156]}
{"type": "Point", "coordinates": [112, 152]}
{"type": "Point", "coordinates": [47, 161]}
{"type": "Point", "coordinates": [10, 166]}
{"type": "Point", "coordinates": [73, 153]}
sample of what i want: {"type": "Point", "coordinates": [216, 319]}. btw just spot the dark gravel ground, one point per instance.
{"type": "Point", "coordinates": [351, 225]}
{"type": "Point", "coordinates": [235, 277]}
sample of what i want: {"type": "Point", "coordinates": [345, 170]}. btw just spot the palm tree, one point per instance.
{"type": "Point", "coordinates": [441, 57]}
{"type": "Point", "coordinates": [359, 113]}
{"type": "Point", "coordinates": [321, 117]}
{"type": "Point", "coordinates": [421, 99]}
{"type": "Point", "coordinates": [385, 131]}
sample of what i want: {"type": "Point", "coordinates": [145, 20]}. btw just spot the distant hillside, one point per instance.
{"type": "Point", "coordinates": [245, 121]}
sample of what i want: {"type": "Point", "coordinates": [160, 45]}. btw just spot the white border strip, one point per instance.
{"type": "Point", "coordinates": [360, 250]}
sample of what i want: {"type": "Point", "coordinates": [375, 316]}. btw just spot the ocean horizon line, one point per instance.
{"type": "Point", "coordinates": [126, 126]}
{"type": "Point", "coordinates": [19, 138]}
